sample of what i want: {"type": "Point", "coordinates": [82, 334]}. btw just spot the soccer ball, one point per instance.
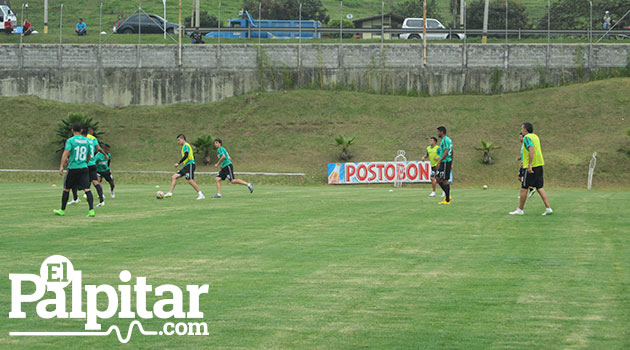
{"type": "Point", "coordinates": [485, 187]}
{"type": "Point", "coordinates": [159, 195]}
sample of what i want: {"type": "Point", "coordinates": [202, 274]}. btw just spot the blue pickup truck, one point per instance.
{"type": "Point", "coordinates": [266, 28]}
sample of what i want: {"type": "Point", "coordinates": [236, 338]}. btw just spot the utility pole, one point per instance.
{"type": "Point", "coordinates": [462, 4]}
{"type": "Point", "coordinates": [484, 37]}
{"type": "Point", "coordinates": [179, 35]}
{"type": "Point", "coordinates": [197, 10]}
{"type": "Point", "coordinates": [424, 35]}
{"type": "Point", "coordinates": [45, 16]}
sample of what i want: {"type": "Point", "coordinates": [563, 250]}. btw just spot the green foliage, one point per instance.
{"type": "Point", "coordinates": [287, 9]}
{"type": "Point", "coordinates": [575, 14]}
{"type": "Point", "coordinates": [204, 145]}
{"type": "Point", "coordinates": [496, 81]}
{"type": "Point", "coordinates": [344, 143]}
{"type": "Point", "coordinates": [487, 147]}
{"type": "Point", "coordinates": [517, 15]}
{"type": "Point", "coordinates": [206, 20]}
{"type": "Point", "coordinates": [334, 23]}
{"type": "Point", "coordinates": [414, 8]}
{"type": "Point", "coordinates": [64, 128]}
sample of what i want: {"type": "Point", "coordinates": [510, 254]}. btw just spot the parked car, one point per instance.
{"type": "Point", "coordinates": [150, 24]}
{"type": "Point", "coordinates": [418, 23]}
{"type": "Point", "coordinates": [7, 14]}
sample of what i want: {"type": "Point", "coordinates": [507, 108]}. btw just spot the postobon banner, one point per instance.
{"type": "Point", "coordinates": [378, 172]}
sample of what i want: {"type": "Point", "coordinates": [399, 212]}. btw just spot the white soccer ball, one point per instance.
{"type": "Point", "coordinates": [159, 195]}
{"type": "Point", "coordinates": [485, 187]}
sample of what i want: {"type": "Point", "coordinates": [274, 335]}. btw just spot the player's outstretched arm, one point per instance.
{"type": "Point", "coordinates": [98, 148]}
{"type": "Point", "coordinates": [220, 160]}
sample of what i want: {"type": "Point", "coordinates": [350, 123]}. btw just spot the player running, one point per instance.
{"type": "Point", "coordinates": [432, 154]}
{"type": "Point", "coordinates": [88, 133]}
{"type": "Point", "coordinates": [77, 154]}
{"type": "Point", "coordinates": [227, 169]}
{"type": "Point", "coordinates": [445, 164]}
{"type": "Point", "coordinates": [102, 168]}
{"type": "Point", "coordinates": [533, 164]}
{"type": "Point", "coordinates": [188, 170]}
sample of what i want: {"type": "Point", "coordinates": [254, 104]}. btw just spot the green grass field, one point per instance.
{"type": "Point", "coordinates": [327, 267]}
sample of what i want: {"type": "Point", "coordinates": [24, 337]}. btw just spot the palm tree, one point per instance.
{"type": "Point", "coordinates": [345, 143]}
{"type": "Point", "coordinates": [64, 128]}
{"type": "Point", "coordinates": [486, 147]}
{"type": "Point", "coordinates": [205, 144]}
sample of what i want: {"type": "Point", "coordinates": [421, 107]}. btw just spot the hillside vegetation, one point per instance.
{"type": "Point", "coordinates": [294, 131]}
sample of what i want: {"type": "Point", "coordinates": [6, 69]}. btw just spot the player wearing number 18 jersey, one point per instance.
{"type": "Point", "coordinates": [76, 153]}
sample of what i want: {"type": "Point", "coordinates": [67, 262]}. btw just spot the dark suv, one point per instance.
{"type": "Point", "coordinates": [150, 24]}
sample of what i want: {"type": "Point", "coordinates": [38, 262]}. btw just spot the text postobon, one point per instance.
{"type": "Point", "coordinates": [378, 172]}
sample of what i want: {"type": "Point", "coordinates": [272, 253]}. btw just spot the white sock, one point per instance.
{"type": "Point", "coordinates": [201, 194]}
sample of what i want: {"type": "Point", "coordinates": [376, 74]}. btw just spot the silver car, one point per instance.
{"type": "Point", "coordinates": [418, 23]}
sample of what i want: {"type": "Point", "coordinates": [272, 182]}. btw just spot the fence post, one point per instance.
{"type": "Point", "coordinates": [340, 23]}
{"type": "Point", "coordinates": [382, 23]}
{"type": "Point", "coordinates": [590, 39]}
{"type": "Point", "coordinates": [100, 24]}
{"type": "Point", "coordinates": [548, 31]}
{"type": "Point", "coordinates": [506, 21]}
{"type": "Point", "coordinates": [259, 17]}
{"type": "Point", "coordinates": [61, 24]}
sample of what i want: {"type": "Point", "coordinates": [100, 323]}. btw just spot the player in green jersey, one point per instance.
{"type": "Point", "coordinates": [77, 155]}
{"type": "Point", "coordinates": [227, 169]}
{"type": "Point", "coordinates": [103, 170]}
{"type": "Point", "coordinates": [187, 171]}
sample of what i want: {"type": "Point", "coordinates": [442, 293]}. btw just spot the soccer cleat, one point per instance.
{"type": "Point", "coordinates": [201, 196]}
{"type": "Point", "coordinates": [548, 211]}
{"type": "Point", "coordinates": [250, 188]}
{"type": "Point", "coordinates": [168, 194]}
{"type": "Point", "coordinates": [444, 202]}
{"type": "Point", "coordinates": [432, 194]}
{"type": "Point", "coordinates": [74, 201]}
{"type": "Point", "coordinates": [112, 194]}
{"type": "Point", "coordinates": [101, 204]}
{"type": "Point", "coordinates": [531, 193]}
{"type": "Point", "coordinates": [59, 212]}
{"type": "Point", "coordinates": [91, 214]}
{"type": "Point", "coordinates": [518, 211]}
{"type": "Point", "coordinates": [216, 196]}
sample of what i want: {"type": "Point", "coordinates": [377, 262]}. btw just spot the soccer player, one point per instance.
{"type": "Point", "coordinates": [94, 146]}
{"type": "Point", "coordinates": [533, 163]}
{"type": "Point", "coordinates": [88, 133]}
{"type": "Point", "coordinates": [102, 168]}
{"type": "Point", "coordinates": [77, 154]}
{"type": "Point", "coordinates": [188, 170]}
{"type": "Point", "coordinates": [445, 163]}
{"type": "Point", "coordinates": [227, 169]}
{"type": "Point", "coordinates": [521, 171]}
{"type": "Point", "coordinates": [432, 154]}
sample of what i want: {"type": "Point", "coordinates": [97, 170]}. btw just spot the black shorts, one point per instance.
{"type": "Point", "coordinates": [444, 172]}
{"type": "Point", "coordinates": [77, 178]}
{"type": "Point", "coordinates": [226, 172]}
{"type": "Point", "coordinates": [433, 171]}
{"type": "Point", "coordinates": [107, 175]}
{"type": "Point", "coordinates": [533, 180]}
{"type": "Point", "coordinates": [92, 173]}
{"type": "Point", "coordinates": [187, 171]}
{"type": "Point", "coordinates": [521, 172]}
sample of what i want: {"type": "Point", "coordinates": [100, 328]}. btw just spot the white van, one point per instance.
{"type": "Point", "coordinates": [7, 14]}
{"type": "Point", "coordinates": [418, 23]}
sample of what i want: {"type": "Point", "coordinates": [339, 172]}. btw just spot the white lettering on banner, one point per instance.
{"type": "Point", "coordinates": [56, 273]}
{"type": "Point", "coordinates": [378, 172]}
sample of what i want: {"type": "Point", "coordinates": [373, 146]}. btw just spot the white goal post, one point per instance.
{"type": "Point", "coordinates": [400, 161]}
{"type": "Point", "coordinates": [591, 170]}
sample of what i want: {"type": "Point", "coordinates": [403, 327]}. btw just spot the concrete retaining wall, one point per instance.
{"type": "Point", "coordinates": [121, 75]}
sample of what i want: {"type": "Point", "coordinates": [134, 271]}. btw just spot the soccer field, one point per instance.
{"type": "Point", "coordinates": [323, 267]}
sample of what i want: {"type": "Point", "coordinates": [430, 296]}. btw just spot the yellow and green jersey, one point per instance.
{"type": "Point", "coordinates": [530, 140]}
{"type": "Point", "coordinates": [102, 164]}
{"type": "Point", "coordinates": [79, 150]}
{"type": "Point", "coordinates": [93, 142]}
{"type": "Point", "coordinates": [190, 159]}
{"type": "Point", "coordinates": [432, 153]}
{"type": "Point", "coordinates": [446, 145]}
{"type": "Point", "coordinates": [223, 152]}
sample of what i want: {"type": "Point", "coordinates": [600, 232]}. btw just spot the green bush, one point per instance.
{"type": "Point", "coordinates": [347, 24]}
{"type": "Point", "coordinates": [205, 145]}
{"type": "Point", "coordinates": [64, 128]}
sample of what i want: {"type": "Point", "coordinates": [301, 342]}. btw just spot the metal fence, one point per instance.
{"type": "Point", "coordinates": [69, 13]}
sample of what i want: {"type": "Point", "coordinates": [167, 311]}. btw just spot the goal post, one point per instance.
{"type": "Point", "coordinates": [591, 170]}
{"type": "Point", "coordinates": [400, 162]}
